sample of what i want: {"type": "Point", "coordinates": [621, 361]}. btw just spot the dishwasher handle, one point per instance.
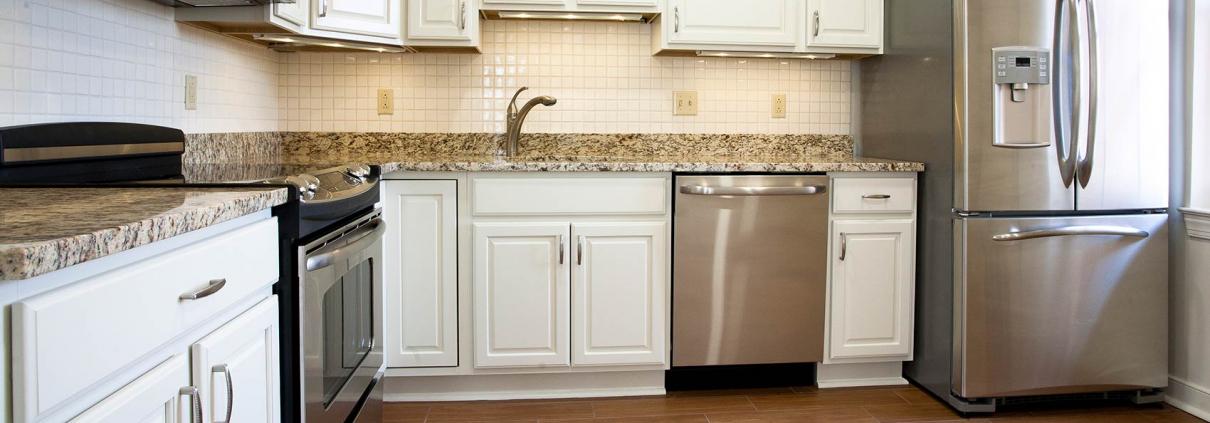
{"type": "Point", "coordinates": [752, 191]}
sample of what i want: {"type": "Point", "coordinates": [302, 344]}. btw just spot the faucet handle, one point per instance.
{"type": "Point", "coordinates": [512, 105]}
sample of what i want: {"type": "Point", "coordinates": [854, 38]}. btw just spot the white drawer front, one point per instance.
{"type": "Point", "coordinates": [562, 196]}
{"type": "Point", "coordinates": [873, 195]}
{"type": "Point", "coordinates": [68, 339]}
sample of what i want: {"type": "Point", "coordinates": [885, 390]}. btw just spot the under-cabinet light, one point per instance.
{"type": "Point", "coordinates": [759, 55]}
{"type": "Point", "coordinates": [285, 40]}
{"type": "Point", "coordinates": [622, 17]}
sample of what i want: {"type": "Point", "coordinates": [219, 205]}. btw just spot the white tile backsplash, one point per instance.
{"type": "Point", "coordinates": [602, 73]}
{"type": "Point", "coordinates": [126, 60]}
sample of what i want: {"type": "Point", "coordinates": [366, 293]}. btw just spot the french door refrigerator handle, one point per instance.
{"type": "Point", "coordinates": [1072, 231]}
{"type": "Point", "coordinates": [1084, 164]}
{"type": "Point", "coordinates": [1065, 147]}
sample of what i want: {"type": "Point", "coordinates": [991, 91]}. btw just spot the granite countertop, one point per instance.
{"type": "Point", "coordinates": [47, 229]}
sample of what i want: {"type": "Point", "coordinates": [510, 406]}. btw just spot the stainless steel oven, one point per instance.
{"type": "Point", "coordinates": [341, 307]}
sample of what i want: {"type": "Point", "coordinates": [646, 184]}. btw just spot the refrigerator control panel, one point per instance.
{"type": "Point", "coordinates": [1021, 65]}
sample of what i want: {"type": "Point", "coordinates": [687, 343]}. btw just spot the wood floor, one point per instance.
{"type": "Point", "coordinates": [898, 404]}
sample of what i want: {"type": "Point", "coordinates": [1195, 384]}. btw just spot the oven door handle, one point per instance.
{"type": "Point", "coordinates": [360, 239]}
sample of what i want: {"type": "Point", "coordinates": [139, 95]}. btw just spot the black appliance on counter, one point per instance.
{"type": "Point", "coordinates": [330, 244]}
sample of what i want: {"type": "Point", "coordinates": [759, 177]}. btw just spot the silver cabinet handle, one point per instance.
{"type": "Point", "coordinates": [323, 8]}
{"type": "Point", "coordinates": [876, 196]}
{"type": "Point", "coordinates": [1084, 164]}
{"type": "Point", "coordinates": [676, 19]}
{"type": "Point", "coordinates": [364, 236]}
{"type": "Point", "coordinates": [748, 191]}
{"type": "Point", "coordinates": [195, 403]}
{"type": "Point", "coordinates": [560, 249]}
{"type": "Point", "coordinates": [844, 245]}
{"type": "Point", "coordinates": [462, 17]}
{"type": "Point", "coordinates": [580, 251]}
{"type": "Point", "coordinates": [816, 30]}
{"type": "Point", "coordinates": [222, 368]}
{"type": "Point", "coordinates": [1072, 231]}
{"type": "Point", "coordinates": [214, 286]}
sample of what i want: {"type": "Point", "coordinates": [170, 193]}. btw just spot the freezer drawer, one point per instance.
{"type": "Point", "coordinates": [1060, 305]}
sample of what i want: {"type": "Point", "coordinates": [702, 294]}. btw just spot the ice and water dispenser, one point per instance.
{"type": "Point", "coordinates": [1022, 98]}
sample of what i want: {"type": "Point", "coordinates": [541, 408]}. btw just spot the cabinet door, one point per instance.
{"type": "Point", "coordinates": [618, 3]}
{"type": "Point", "coordinates": [619, 293]}
{"type": "Point", "coordinates": [291, 15]}
{"type": "Point", "coordinates": [844, 23]}
{"type": "Point", "coordinates": [871, 290]}
{"type": "Point", "coordinates": [421, 273]}
{"type": "Point", "coordinates": [159, 396]}
{"type": "Point", "coordinates": [236, 368]}
{"type": "Point", "coordinates": [442, 20]}
{"type": "Point", "coordinates": [757, 23]}
{"type": "Point", "coordinates": [380, 18]}
{"type": "Point", "coordinates": [521, 294]}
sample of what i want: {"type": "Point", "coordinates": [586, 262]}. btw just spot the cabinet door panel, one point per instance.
{"type": "Point", "coordinates": [452, 20]}
{"type": "Point", "coordinates": [871, 289]}
{"type": "Point", "coordinates": [154, 397]}
{"type": "Point", "coordinates": [291, 15]}
{"type": "Point", "coordinates": [421, 287]}
{"type": "Point", "coordinates": [844, 23]}
{"type": "Point", "coordinates": [379, 18]}
{"type": "Point", "coordinates": [521, 294]}
{"type": "Point", "coordinates": [729, 22]}
{"type": "Point", "coordinates": [245, 351]}
{"type": "Point", "coordinates": [619, 293]}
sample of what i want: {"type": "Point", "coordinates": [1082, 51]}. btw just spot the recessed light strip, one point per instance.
{"type": "Point", "coordinates": [578, 16]}
{"type": "Point", "coordinates": [759, 55]}
{"type": "Point", "coordinates": [296, 41]}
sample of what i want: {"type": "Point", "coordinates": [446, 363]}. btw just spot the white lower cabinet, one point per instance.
{"type": "Point", "coordinates": [618, 293]}
{"type": "Point", "coordinates": [521, 294]}
{"type": "Point", "coordinates": [236, 368]}
{"type": "Point", "coordinates": [871, 288]}
{"type": "Point", "coordinates": [162, 395]}
{"type": "Point", "coordinates": [421, 273]}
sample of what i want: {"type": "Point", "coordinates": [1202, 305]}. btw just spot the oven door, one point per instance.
{"type": "Point", "coordinates": [341, 301]}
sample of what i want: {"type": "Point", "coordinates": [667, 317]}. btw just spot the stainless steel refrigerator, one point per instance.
{"type": "Point", "coordinates": [1043, 241]}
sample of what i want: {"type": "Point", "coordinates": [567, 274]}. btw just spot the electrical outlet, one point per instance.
{"type": "Point", "coordinates": [779, 106]}
{"type": "Point", "coordinates": [190, 92]}
{"type": "Point", "coordinates": [684, 103]}
{"type": "Point", "coordinates": [386, 101]}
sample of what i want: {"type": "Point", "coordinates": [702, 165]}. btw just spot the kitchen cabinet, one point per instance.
{"type": "Point", "coordinates": [162, 395]}
{"type": "Point", "coordinates": [521, 294]}
{"type": "Point", "coordinates": [236, 368]}
{"type": "Point", "coordinates": [844, 23]}
{"type": "Point", "coordinates": [618, 293]}
{"type": "Point", "coordinates": [871, 298]}
{"type": "Point", "coordinates": [448, 23]}
{"type": "Point", "coordinates": [291, 15]}
{"type": "Point", "coordinates": [765, 23]}
{"type": "Point", "coordinates": [421, 273]}
{"type": "Point", "coordinates": [377, 18]}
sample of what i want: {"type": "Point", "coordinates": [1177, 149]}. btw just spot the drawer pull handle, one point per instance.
{"type": "Point", "coordinates": [214, 286]}
{"type": "Point", "coordinates": [876, 196]}
{"type": "Point", "coordinates": [222, 368]}
{"type": "Point", "coordinates": [195, 403]}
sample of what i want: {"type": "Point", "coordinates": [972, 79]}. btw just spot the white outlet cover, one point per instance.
{"type": "Point", "coordinates": [684, 103]}
{"type": "Point", "coordinates": [190, 92]}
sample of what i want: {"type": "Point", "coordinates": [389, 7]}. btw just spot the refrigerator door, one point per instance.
{"type": "Point", "coordinates": [1060, 305]}
{"type": "Point", "coordinates": [1026, 174]}
{"type": "Point", "coordinates": [1124, 160]}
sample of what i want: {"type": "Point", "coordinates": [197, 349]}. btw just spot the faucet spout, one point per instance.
{"type": "Point", "coordinates": [517, 117]}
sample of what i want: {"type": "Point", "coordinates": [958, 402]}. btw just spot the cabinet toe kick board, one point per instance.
{"type": "Point", "coordinates": [69, 339]}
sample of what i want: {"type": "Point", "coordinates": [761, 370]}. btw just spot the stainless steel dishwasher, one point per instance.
{"type": "Point", "coordinates": [749, 270]}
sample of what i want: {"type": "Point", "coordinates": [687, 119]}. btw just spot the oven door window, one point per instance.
{"type": "Point", "coordinates": [348, 327]}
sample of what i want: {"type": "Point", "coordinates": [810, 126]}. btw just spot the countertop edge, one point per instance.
{"type": "Point", "coordinates": [555, 166]}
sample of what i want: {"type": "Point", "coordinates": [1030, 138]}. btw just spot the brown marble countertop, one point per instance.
{"type": "Point", "coordinates": [393, 162]}
{"type": "Point", "coordinates": [47, 229]}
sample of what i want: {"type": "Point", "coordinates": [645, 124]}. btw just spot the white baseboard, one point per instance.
{"type": "Point", "coordinates": [847, 375]}
{"type": "Point", "coordinates": [1188, 397]}
{"type": "Point", "coordinates": [523, 386]}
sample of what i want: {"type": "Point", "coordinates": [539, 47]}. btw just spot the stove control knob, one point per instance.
{"type": "Point", "coordinates": [359, 171]}
{"type": "Point", "coordinates": [311, 182]}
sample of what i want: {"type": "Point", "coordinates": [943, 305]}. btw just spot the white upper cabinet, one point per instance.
{"type": "Point", "coordinates": [764, 23]}
{"type": "Point", "coordinates": [237, 369]}
{"type": "Point", "coordinates": [618, 293]}
{"type": "Point", "coordinates": [844, 23]}
{"type": "Point", "coordinates": [291, 15]}
{"type": "Point", "coordinates": [871, 289]}
{"type": "Point", "coordinates": [162, 395]}
{"type": "Point", "coordinates": [443, 22]}
{"type": "Point", "coordinates": [376, 18]}
{"type": "Point", "coordinates": [521, 294]}
{"type": "Point", "coordinates": [421, 273]}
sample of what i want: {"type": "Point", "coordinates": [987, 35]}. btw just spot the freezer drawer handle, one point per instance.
{"type": "Point", "coordinates": [752, 191]}
{"type": "Point", "coordinates": [1073, 230]}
